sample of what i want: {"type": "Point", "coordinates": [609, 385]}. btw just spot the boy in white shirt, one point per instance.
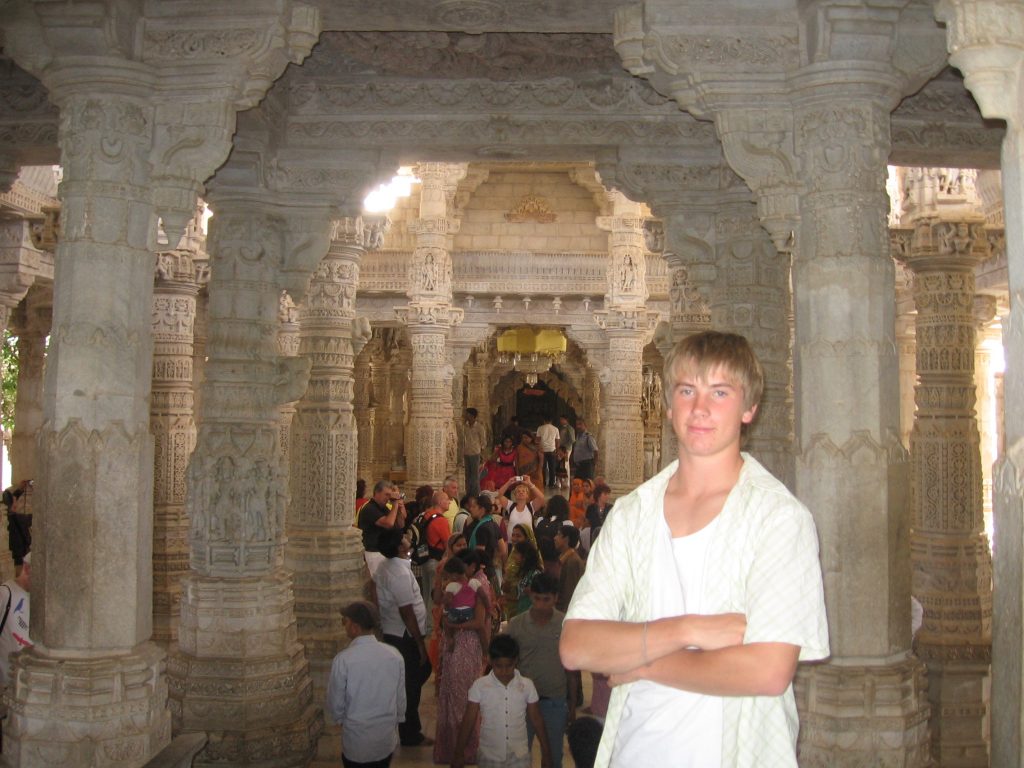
{"type": "Point", "coordinates": [704, 589]}
{"type": "Point", "coordinates": [503, 700]}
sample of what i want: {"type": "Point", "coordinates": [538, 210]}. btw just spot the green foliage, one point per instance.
{"type": "Point", "coordinates": [8, 379]}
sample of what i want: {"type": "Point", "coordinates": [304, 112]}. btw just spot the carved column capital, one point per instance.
{"type": "Point", "coordinates": [984, 41]}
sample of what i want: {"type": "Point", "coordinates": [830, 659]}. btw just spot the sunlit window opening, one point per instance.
{"type": "Point", "coordinates": [384, 197]}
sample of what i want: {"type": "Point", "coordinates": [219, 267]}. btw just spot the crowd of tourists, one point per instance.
{"type": "Point", "coordinates": [472, 590]}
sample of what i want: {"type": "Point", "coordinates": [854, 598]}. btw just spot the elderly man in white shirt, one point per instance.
{"type": "Point", "coordinates": [403, 618]}
{"type": "Point", "coordinates": [366, 691]}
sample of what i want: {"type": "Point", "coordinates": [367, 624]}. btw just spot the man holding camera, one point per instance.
{"type": "Point", "coordinates": [385, 511]}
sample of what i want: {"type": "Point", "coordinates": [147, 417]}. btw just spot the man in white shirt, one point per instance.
{"type": "Point", "coordinates": [704, 589]}
{"type": "Point", "coordinates": [366, 691]}
{"type": "Point", "coordinates": [403, 619]}
{"type": "Point", "coordinates": [547, 437]}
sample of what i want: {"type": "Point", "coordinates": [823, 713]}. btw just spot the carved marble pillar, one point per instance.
{"type": "Point", "coordinates": [985, 308]}
{"type": "Point", "coordinates": [852, 468]}
{"type": "Point", "coordinates": [380, 399]}
{"type": "Point", "coordinates": [628, 326]}
{"type": "Point", "coordinates": [478, 392]}
{"type": "Point", "coordinates": [428, 317]}
{"type": "Point", "coordinates": [813, 143]}
{"type": "Point", "coordinates": [199, 335]}
{"type": "Point", "coordinates": [287, 346]}
{"type": "Point", "coordinates": [906, 316]}
{"type": "Point", "coordinates": [952, 566]}
{"type": "Point", "coordinates": [31, 324]}
{"type": "Point", "coordinates": [239, 672]}
{"type": "Point", "coordinates": [91, 691]}
{"type": "Point", "coordinates": [364, 407]}
{"type": "Point", "coordinates": [324, 548]}
{"type": "Point", "coordinates": [592, 397]}
{"type": "Point", "coordinates": [174, 432]}
{"type": "Point", "coordinates": [983, 41]}
{"type": "Point", "coordinates": [752, 298]}
{"type": "Point", "coordinates": [398, 397]}
{"type": "Point", "coordinates": [690, 314]}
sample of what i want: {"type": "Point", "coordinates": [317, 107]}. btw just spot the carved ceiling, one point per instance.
{"type": "Point", "coordinates": [512, 95]}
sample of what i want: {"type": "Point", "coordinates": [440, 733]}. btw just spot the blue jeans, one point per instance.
{"type": "Point", "coordinates": [555, 714]}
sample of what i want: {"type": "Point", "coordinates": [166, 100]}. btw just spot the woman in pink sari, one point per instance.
{"type": "Point", "coordinates": [462, 659]}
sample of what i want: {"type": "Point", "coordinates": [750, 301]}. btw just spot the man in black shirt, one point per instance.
{"type": "Point", "coordinates": [385, 511]}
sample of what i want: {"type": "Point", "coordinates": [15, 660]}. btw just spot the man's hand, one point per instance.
{"type": "Point", "coordinates": [622, 678]}
{"type": "Point", "coordinates": [719, 630]}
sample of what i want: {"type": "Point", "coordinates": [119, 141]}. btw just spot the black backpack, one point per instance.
{"type": "Point", "coordinates": [421, 549]}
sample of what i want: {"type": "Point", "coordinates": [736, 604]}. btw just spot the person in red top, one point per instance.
{"type": "Point", "coordinates": [438, 532]}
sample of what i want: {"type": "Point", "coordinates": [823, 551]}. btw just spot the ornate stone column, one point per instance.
{"type": "Point", "coordinates": [239, 672]}
{"type": "Point", "coordinates": [952, 566]}
{"type": "Point", "coordinates": [324, 548]}
{"type": "Point", "coordinates": [399, 392]}
{"type": "Point", "coordinates": [174, 432]}
{"type": "Point", "coordinates": [139, 133]}
{"type": "Point", "coordinates": [92, 687]}
{"type": "Point", "coordinates": [380, 399]}
{"type": "Point", "coordinates": [364, 412]}
{"type": "Point", "coordinates": [804, 118]}
{"type": "Point", "coordinates": [478, 392]}
{"type": "Point", "coordinates": [989, 334]}
{"type": "Point", "coordinates": [852, 467]}
{"type": "Point", "coordinates": [752, 298]}
{"type": "Point", "coordinates": [684, 195]}
{"type": "Point", "coordinates": [984, 43]}
{"type": "Point", "coordinates": [628, 326]}
{"type": "Point", "coordinates": [287, 346]}
{"type": "Point", "coordinates": [31, 324]}
{"type": "Point", "coordinates": [429, 316]}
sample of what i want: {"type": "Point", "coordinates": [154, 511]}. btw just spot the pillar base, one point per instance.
{"type": "Point", "coordinates": [240, 675]}
{"type": "Point", "coordinates": [959, 689]}
{"type": "Point", "coordinates": [329, 573]}
{"type": "Point", "coordinates": [863, 715]}
{"type": "Point", "coordinates": [108, 711]}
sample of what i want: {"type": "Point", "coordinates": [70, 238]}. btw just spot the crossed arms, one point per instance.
{"type": "Point", "coordinates": [702, 654]}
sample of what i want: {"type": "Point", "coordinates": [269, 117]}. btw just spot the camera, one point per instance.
{"type": "Point", "coordinates": [518, 478]}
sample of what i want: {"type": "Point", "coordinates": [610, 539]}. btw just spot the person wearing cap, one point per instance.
{"type": "Point", "coordinates": [14, 610]}
{"type": "Point", "coordinates": [366, 691]}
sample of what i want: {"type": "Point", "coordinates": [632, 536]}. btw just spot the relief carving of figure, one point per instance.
{"type": "Point", "coordinates": [256, 502]}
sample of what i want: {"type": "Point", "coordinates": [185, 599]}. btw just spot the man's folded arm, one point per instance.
{"type": "Point", "coordinates": [757, 669]}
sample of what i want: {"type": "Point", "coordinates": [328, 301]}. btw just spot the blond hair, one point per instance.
{"type": "Point", "coordinates": [701, 353]}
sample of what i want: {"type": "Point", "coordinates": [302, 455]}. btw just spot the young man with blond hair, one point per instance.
{"type": "Point", "coordinates": [704, 589]}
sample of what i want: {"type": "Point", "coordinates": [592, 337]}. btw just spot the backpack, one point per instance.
{"type": "Point", "coordinates": [421, 549]}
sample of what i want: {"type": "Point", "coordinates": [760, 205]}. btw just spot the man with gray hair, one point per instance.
{"type": "Point", "coordinates": [366, 691]}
